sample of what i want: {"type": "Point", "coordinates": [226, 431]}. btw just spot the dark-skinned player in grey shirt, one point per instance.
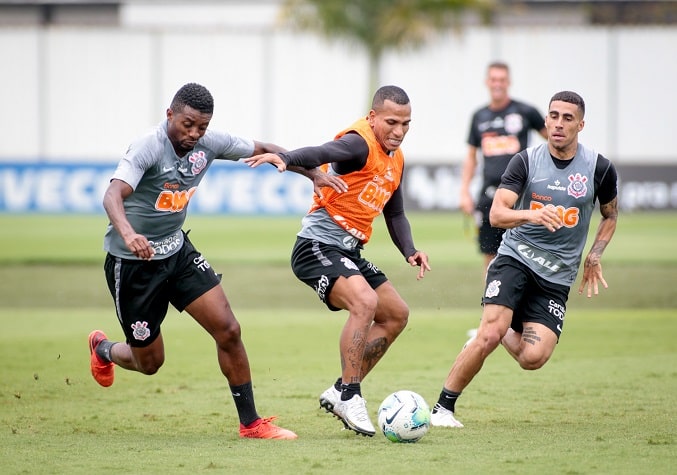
{"type": "Point", "coordinates": [151, 263]}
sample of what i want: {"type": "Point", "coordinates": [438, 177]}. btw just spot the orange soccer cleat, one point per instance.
{"type": "Point", "coordinates": [103, 372]}
{"type": "Point", "coordinates": [265, 429]}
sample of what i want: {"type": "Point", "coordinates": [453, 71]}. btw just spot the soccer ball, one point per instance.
{"type": "Point", "coordinates": [404, 416]}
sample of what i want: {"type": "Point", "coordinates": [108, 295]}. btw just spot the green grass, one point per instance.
{"type": "Point", "coordinates": [640, 238]}
{"type": "Point", "coordinates": [62, 257]}
{"type": "Point", "coordinates": [604, 404]}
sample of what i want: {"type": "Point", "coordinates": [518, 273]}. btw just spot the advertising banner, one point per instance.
{"type": "Point", "coordinates": [234, 188]}
{"type": "Point", "coordinates": [640, 187]}
{"type": "Point", "coordinates": [227, 188]}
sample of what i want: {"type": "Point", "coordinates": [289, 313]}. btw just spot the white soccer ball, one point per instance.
{"type": "Point", "coordinates": [404, 416]}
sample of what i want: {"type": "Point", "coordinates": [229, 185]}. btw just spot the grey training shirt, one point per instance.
{"type": "Point", "coordinates": [163, 185]}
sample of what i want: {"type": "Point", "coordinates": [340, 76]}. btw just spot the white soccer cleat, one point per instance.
{"type": "Point", "coordinates": [443, 417]}
{"type": "Point", "coordinates": [353, 413]}
{"type": "Point", "coordinates": [330, 398]}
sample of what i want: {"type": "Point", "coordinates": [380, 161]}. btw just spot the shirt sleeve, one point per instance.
{"type": "Point", "coordinates": [474, 138]}
{"type": "Point", "coordinates": [398, 224]}
{"type": "Point", "coordinates": [515, 176]}
{"type": "Point", "coordinates": [606, 180]}
{"type": "Point", "coordinates": [348, 153]}
{"type": "Point", "coordinates": [535, 118]}
{"type": "Point", "coordinates": [140, 156]}
{"type": "Point", "coordinates": [227, 146]}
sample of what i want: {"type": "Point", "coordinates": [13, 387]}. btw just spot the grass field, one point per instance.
{"type": "Point", "coordinates": [604, 404]}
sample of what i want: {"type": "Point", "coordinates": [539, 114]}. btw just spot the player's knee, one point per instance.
{"type": "Point", "coordinates": [228, 334]}
{"type": "Point", "coordinates": [364, 305]}
{"type": "Point", "coordinates": [149, 367]}
{"type": "Point", "coordinates": [532, 361]}
{"type": "Point", "coordinates": [488, 341]}
{"type": "Point", "coordinates": [401, 317]}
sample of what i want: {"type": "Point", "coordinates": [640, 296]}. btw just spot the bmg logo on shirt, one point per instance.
{"type": "Point", "coordinates": [374, 196]}
{"type": "Point", "coordinates": [174, 201]}
{"type": "Point", "coordinates": [568, 216]}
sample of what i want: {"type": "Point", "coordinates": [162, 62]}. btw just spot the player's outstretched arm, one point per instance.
{"type": "Point", "coordinates": [321, 179]}
{"type": "Point", "coordinates": [272, 158]}
{"type": "Point", "coordinates": [592, 266]}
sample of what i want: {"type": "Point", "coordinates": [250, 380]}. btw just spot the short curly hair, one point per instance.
{"type": "Point", "coordinates": [389, 93]}
{"type": "Point", "coordinates": [570, 97]}
{"type": "Point", "coordinates": [195, 96]}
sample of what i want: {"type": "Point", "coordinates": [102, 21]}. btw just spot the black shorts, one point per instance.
{"type": "Point", "coordinates": [532, 299]}
{"type": "Point", "coordinates": [488, 237]}
{"type": "Point", "coordinates": [143, 290]}
{"type": "Point", "coordinates": [319, 265]}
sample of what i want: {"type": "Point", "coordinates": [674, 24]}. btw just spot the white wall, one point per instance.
{"type": "Point", "coordinates": [79, 94]}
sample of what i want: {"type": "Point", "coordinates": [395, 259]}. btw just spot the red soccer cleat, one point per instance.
{"type": "Point", "coordinates": [103, 372]}
{"type": "Point", "coordinates": [265, 429]}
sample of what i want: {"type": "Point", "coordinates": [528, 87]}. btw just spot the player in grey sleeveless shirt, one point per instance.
{"type": "Point", "coordinates": [554, 256]}
{"type": "Point", "coordinates": [545, 201]}
{"type": "Point", "coordinates": [151, 263]}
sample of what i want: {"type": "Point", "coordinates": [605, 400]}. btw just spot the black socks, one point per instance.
{"type": "Point", "coordinates": [243, 395]}
{"type": "Point", "coordinates": [103, 350]}
{"type": "Point", "coordinates": [448, 399]}
{"type": "Point", "coordinates": [349, 390]}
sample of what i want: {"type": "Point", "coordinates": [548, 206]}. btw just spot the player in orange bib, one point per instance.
{"type": "Point", "coordinates": [327, 254]}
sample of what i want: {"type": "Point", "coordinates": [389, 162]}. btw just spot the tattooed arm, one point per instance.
{"type": "Point", "coordinates": [592, 267]}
